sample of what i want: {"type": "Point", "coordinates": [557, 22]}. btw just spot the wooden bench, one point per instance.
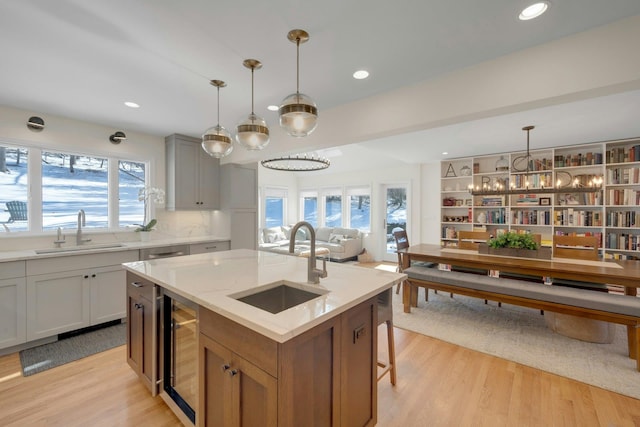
{"type": "Point", "coordinates": [621, 309]}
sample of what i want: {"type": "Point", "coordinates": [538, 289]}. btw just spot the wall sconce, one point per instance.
{"type": "Point", "coordinates": [117, 137]}
{"type": "Point", "coordinates": [35, 124]}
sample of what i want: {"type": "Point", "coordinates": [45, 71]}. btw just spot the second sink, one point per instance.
{"type": "Point", "coordinates": [280, 296]}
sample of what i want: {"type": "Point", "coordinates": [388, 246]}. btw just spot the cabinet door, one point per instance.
{"type": "Point", "coordinates": [13, 310]}
{"type": "Point", "coordinates": [214, 383]}
{"type": "Point", "coordinates": [208, 180]}
{"type": "Point", "coordinates": [134, 331]}
{"type": "Point", "coordinates": [149, 353]}
{"type": "Point", "coordinates": [233, 391]}
{"type": "Point", "coordinates": [244, 229]}
{"type": "Point", "coordinates": [108, 290]}
{"type": "Point", "coordinates": [57, 303]}
{"type": "Point", "coordinates": [187, 185]}
{"type": "Point", "coordinates": [254, 394]}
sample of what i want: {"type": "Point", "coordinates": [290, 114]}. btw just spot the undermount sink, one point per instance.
{"type": "Point", "coordinates": [279, 296]}
{"type": "Point", "coordinates": [79, 248]}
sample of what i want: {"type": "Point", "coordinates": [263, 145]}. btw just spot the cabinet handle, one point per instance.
{"type": "Point", "coordinates": [93, 275]}
{"type": "Point", "coordinates": [86, 276]}
{"type": "Point", "coordinates": [137, 284]}
{"type": "Point", "coordinates": [233, 372]}
{"type": "Point", "coordinates": [224, 367]}
{"type": "Point", "coordinates": [211, 247]}
{"type": "Point", "coordinates": [137, 306]}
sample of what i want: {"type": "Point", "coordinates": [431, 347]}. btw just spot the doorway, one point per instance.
{"type": "Point", "coordinates": [395, 216]}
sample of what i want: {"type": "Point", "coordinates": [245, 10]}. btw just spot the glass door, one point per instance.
{"type": "Point", "coordinates": [395, 217]}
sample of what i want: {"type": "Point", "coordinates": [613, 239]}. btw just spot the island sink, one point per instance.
{"type": "Point", "coordinates": [279, 296]}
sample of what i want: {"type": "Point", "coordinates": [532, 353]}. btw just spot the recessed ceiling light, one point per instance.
{"type": "Point", "coordinates": [131, 104]}
{"type": "Point", "coordinates": [534, 10]}
{"type": "Point", "coordinates": [273, 108]}
{"type": "Point", "coordinates": [444, 153]}
{"type": "Point", "coordinates": [361, 74]}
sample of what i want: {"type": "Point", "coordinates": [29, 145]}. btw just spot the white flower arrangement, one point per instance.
{"type": "Point", "coordinates": [149, 195]}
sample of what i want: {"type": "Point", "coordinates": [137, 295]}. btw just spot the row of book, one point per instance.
{"type": "Point", "coordinates": [587, 159]}
{"type": "Point", "coordinates": [494, 216]}
{"type": "Point", "coordinates": [577, 218]}
{"type": "Point", "coordinates": [623, 175]}
{"type": "Point", "coordinates": [531, 217]}
{"type": "Point", "coordinates": [623, 241]}
{"type": "Point", "coordinates": [536, 180]}
{"type": "Point", "coordinates": [624, 154]}
{"type": "Point", "coordinates": [588, 199]}
{"type": "Point", "coordinates": [623, 219]}
{"type": "Point", "coordinates": [626, 196]}
{"type": "Point", "coordinates": [449, 233]}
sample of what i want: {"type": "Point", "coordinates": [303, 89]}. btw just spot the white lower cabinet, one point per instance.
{"type": "Point", "coordinates": [57, 302]}
{"type": "Point", "coordinates": [13, 308]}
{"type": "Point", "coordinates": [70, 298]}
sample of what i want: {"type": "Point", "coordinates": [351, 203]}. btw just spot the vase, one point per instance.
{"type": "Point", "coordinates": [145, 236]}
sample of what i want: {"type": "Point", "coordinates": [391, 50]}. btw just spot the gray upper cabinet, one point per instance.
{"type": "Point", "coordinates": [239, 186]}
{"type": "Point", "coordinates": [192, 175]}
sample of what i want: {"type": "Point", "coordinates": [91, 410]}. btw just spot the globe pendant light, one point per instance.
{"type": "Point", "coordinates": [216, 140]}
{"type": "Point", "coordinates": [298, 112]}
{"type": "Point", "coordinates": [253, 133]}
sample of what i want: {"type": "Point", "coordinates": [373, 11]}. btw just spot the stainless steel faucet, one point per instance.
{"type": "Point", "coordinates": [60, 239]}
{"type": "Point", "coordinates": [81, 223]}
{"type": "Point", "coordinates": [313, 274]}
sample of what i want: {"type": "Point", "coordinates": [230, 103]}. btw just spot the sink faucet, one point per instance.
{"type": "Point", "coordinates": [313, 274]}
{"type": "Point", "coordinates": [60, 239]}
{"type": "Point", "coordinates": [81, 222]}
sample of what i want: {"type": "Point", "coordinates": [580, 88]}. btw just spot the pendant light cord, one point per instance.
{"type": "Point", "coordinates": [252, 113]}
{"type": "Point", "coordinates": [218, 105]}
{"type": "Point", "coordinates": [298, 65]}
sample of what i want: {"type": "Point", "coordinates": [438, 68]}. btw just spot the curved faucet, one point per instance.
{"type": "Point", "coordinates": [313, 274]}
{"type": "Point", "coordinates": [81, 223]}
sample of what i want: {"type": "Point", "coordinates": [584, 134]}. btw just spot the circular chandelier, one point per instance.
{"type": "Point", "coordinates": [216, 140]}
{"type": "Point", "coordinates": [297, 163]}
{"type": "Point", "coordinates": [298, 112]}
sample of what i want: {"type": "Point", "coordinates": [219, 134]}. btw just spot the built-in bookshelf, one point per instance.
{"type": "Point", "coordinates": [610, 212]}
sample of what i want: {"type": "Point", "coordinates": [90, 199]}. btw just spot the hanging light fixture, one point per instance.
{"type": "Point", "coordinates": [298, 112]}
{"type": "Point", "coordinates": [297, 163]}
{"type": "Point", "coordinates": [216, 140]}
{"type": "Point", "coordinates": [253, 133]}
{"type": "Point", "coordinates": [523, 166]}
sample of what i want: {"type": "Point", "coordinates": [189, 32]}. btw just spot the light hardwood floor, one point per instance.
{"type": "Point", "coordinates": [439, 384]}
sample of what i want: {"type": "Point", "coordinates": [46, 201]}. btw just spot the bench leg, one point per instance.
{"type": "Point", "coordinates": [633, 337]}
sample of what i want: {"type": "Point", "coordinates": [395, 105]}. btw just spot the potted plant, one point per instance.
{"type": "Point", "coordinates": [515, 244]}
{"type": "Point", "coordinates": [148, 195]}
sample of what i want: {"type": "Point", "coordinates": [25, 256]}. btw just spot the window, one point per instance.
{"type": "Point", "coordinates": [14, 168]}
{"type": "Point", "coordinates": [333, 208]}
{"type": "Point", "coordinates": [359, 208]}
{"type": "Point", "coordinates": [131, 179]}
{"type": "Point", "coordinates": [275, 207]}
{"type": "Point", "coordinates": [47, 189]}
{"type": "Point", "coordinates": [309, 207]}
{"type": "Point", "coordinates": [72, 182]}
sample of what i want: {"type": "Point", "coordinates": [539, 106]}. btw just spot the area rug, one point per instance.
{"type": "Point", "coordinates": [47, 356]}
{"type": "Point", "coordinates": [519, 334]}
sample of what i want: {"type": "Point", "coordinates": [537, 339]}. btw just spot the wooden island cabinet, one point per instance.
{"type": "Point", "coordinates": [323, 377]}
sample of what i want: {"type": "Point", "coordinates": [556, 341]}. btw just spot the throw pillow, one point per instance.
{"type": "Point", "coordinates": [336, 238]}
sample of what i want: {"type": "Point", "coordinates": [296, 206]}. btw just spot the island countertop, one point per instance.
{"type": "Point", "coordinates": [211, 279]}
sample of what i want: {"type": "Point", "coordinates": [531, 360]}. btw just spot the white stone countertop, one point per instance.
{"type": "Point", "coordinates": [211, 280]}
{"type": "Point", "coordinates": [101, 247]}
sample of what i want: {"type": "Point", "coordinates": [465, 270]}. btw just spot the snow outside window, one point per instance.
{"type": "Point", "coordinates": [14, 188]}
{"type": "Point", "coordinates": [275, 204]}
{"type": "Point", "coordinates": [359, 200]}
{"type": "Point", "coordinates": [309, 207]}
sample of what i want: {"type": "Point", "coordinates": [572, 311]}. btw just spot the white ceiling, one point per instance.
{"type": "Point", "coordinates": [83, 58]}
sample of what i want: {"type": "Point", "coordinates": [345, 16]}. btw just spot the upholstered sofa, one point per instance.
{"type": "Point", "coordinates": [343, 243]}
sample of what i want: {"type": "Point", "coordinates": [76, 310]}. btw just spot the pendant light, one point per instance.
{"type": "Point", "coordinates": [298, 112]}
{"type": "Point", "coordinates": [216, 140]}
{"type": "Point", "coordinates": [253, 133]}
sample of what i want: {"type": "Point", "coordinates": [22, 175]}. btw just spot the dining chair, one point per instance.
{"type": "Point", "coordinates": [385, 315]}
{"type": "Point", "coordinates": [583, 248]}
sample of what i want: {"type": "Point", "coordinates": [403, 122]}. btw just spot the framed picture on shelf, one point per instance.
{"type": "Point", "coordinates": [545, 201]}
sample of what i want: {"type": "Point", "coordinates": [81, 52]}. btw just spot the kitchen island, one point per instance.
{"type": "Point", "coordinates": [311, 364]}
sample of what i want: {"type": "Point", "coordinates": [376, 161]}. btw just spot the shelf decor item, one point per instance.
{"type": "Point", "coordinates": [451, 173]}
{"type": "Point", "coordinates": [465, 171]}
